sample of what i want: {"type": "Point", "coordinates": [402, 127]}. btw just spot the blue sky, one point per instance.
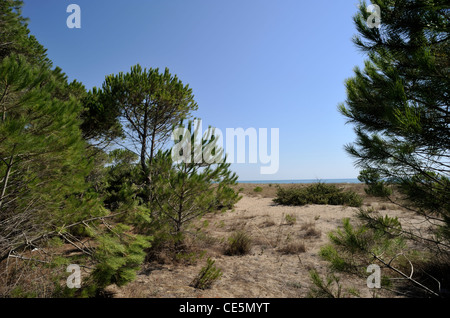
{"type": "Point", "coordinates": [251, 64]}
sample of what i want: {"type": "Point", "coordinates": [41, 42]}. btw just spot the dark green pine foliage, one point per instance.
{"type": "Point", "coordinates": [123, 180]}
{"type": "Point", "coordinates": [399, 105]}
{"type": "Point", "coordinates": [42, 155]}
{"type": "Point", "coordinates": [15, 37]}
{"type": "Point", "coordinates": [148, 104]}
{"type": "Point", "coordinates": [101, 123]}
{"type": "Point", "coordinates": [42, 167]}
{"type": "Point", "coordinates": [47, 180]}
{"type": "Point", "coordinates": [119, 255]}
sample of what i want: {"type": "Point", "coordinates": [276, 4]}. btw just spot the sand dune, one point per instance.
{"type": "Point", "coordinates": [266, 271]}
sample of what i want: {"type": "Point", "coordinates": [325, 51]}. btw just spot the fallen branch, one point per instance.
{"type": "Point", "coordinates": [388, 265]}
{"type": "Point", "coordinates": [52, 234]}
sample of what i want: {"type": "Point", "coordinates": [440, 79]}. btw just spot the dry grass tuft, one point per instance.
{"type": "Point", "coordinates": [293, 248]}
{"type": "Point", "coordinates": [309, 231]}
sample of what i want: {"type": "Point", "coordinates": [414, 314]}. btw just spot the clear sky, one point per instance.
{"type": "Point", "coordinates": [251, 64]}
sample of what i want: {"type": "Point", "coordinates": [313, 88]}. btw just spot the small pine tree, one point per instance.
{"type": "Point", "coordinates": [118, 256]}
{"type": "Point", "coordinates": [207, 275]}
{"type": "Point", "coordinates": [187, 190]}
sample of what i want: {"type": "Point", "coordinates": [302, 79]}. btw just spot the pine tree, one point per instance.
{"type": "Point", "coordinates": [189, 188]}
{"type": "Point", "coordinates": [15, 37]}
{"type": "Point", "coordinates": [399, 104]}
{"type": "Point", "coordinates": [101, 125]}
{"type": "Point", "coordinates": [41, 150]}
{"type": "Point", "coordinates": [148, 104]}
{"type": "Point", "coordinates": [47, 185]}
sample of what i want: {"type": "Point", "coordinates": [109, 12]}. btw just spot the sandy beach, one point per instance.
{"type": "Point", "coordinates": [268, 270]}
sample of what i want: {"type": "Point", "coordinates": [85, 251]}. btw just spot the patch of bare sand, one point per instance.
{"type": "Point", "coordinates": [266, 271]}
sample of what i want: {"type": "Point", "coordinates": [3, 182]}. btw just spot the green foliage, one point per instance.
{"type": "Point", "coordinates": [398, 104]}
{"type": "Point", "coordinates": [325, 289]}
{"type": "Point", "coordinates": [150, 104]}
{"type": "Point", "coordinates": [290, 219]}
{"type": "Point", "coordinates": [15, 36]}
{"type": "Point", "coordinates": [188, 189]}
{"type": "Point", "coordinates": [318, 193]}
{"type": "Point", "coordinates": [122, 179]}
{"type": "Point", "coordinates": [347, 246]}
{"type": "Point", "coordinates": [352, 249]}
{"type": "Point", "coordinates": [257, 189]}
{"type": "Point", "coordinates": [100, 123]}
{"type": "Point", "coordinates": [207, 275]}
{"type": "Point", "coordinates": [226, 196]}
{"type": "Point", "coordinates": [119, 255]}
{"type": "Point", "coordinates": [376, 186]}
{"type": "Point", "coordinates": [429, 193]}
{"type": "Point", "coordinates": [239, 243]}
{"type": "Point", "coordinates": [43, 168]}
{"type": "Point", "coordinates": [389, 226]}
{"type": "Point", "coordinates": [337, 261]}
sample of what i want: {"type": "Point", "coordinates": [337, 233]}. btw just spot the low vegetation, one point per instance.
{"type": "Point", "coordinates": [293, 248]}
{"type": "Point", "coordinates": [207, 275]}
{"type": "Point", "coordinates": [67, 197]}
{"type": "Point", "coordinates": [318, 193]}
{"type": "Point", "coordinates": [257, 189]}
{"type": "Point", "coordinates": [239, 243]}
{"type": "Point", "coordinates": [308, 230]}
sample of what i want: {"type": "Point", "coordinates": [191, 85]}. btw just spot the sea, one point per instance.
{"type": "Point", "coordinates": [302, 181]}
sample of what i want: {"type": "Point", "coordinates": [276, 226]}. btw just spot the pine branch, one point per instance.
{"type": "Point", "coordinates": [408, 277]}
{"type": "Point", "coordinates": [53, 233]}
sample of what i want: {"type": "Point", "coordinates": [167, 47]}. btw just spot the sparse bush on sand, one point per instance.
{"type": "Point", "coordinates": [239, 243]}
{"type": "Point", "coordinates": [317, 193]}
{"type": "Point", "coordinates": [207, 275]}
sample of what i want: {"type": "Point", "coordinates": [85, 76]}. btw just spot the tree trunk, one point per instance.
{"type": "Point", "coordinates": [152, 150]}
{"type": "Point", "coordinates": [5, 182]}
{"type": "Point", "coordinates": [145, 168]}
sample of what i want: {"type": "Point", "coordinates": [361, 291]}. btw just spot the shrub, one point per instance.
{"type": "Point", "coordinates": [226, 197]}
{"type": "Point", "coordinates": [290, 219]}
{"type": "Point", "coordinates": [258, 189]}
{"type": "Point", "coordinates": [375, 185]}
{"type": "Point", "coordinates": [119, 256]}
{"type": "Point", "coordinates": [329, 287]}
{"type": "Point", "coordinates": [238, 244]}
{"type": "Point", "coordinates": [207, 275]}
{"type": "Point", "coordinates": [318, 193]}
{"type": "Point", "coordinates": [325, 289]}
